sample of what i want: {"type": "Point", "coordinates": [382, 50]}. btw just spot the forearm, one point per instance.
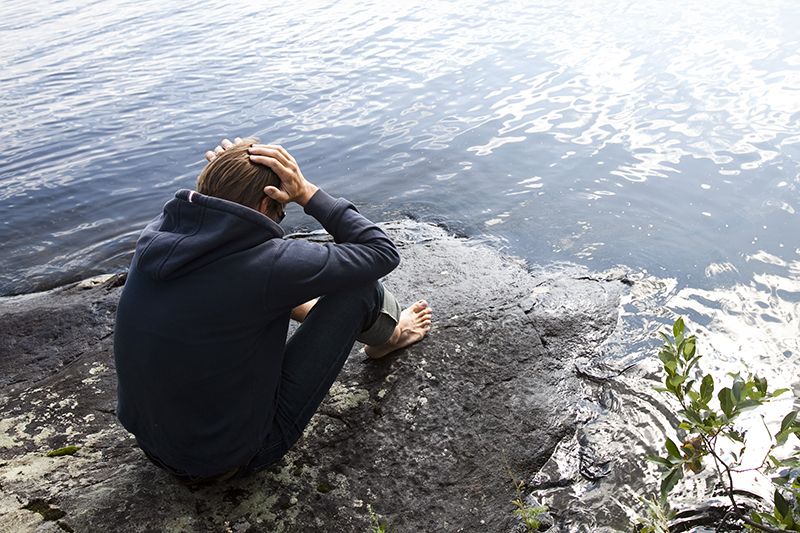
{"type": "Point", "coordinates": [342, 220]}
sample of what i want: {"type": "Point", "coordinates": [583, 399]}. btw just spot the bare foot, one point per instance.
{"type": "Point", "coordinates": [415, 322]}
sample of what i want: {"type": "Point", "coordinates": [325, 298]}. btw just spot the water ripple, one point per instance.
{"type": "Point", "coordinates": [601, 102]}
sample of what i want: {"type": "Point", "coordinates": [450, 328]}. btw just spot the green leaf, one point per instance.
{"type": "Point", "coordinates": [660, 461]}
{"type": "Point", "coordinates": [771, 519]}
{"type": "Point", "coordinates": [781, 481]}
{"type": "Point", "coordinates": [754, 393]}
{"type": "Point", "coordinates": [756, 517]}
{"type": "Point", "coordinates": [692, 416]}
{"type": "Point", "coordinates": [781, 506]}
{"type": "Point", "coordinates": [737, 391]}
{"type": "Point", "coordinates": [669, 482]}
{"type": "Point", "coordinates": [712, 421]}
{"type": "Point", "coordinates": [707, 388]}
{"type": "Point", "coordinates": [736, 436]}
{"type": "Point", "coordinates": [779, 392]}
{"type": "Point", "coordinates": [761, 385]}
{"type": "Point", "coordinates": [747, 405]}
{"type": "Point", "coordinates": [672, 448]}
{"type": "Point", "coordinates": [788, 420]}
{"type": "Point", "coordinates": [726, 401]}
{"type": "Point", "coordinates": [678, 327]}
{"type": "Point", "coordinates": [690, 348]}
{"type": "Point", "coordinates": [691, 364]}
{"type": "Point", "coordinates": [676, 380]}
{"type": "Point", "coordinates": [666, 355]}
{"type": "Point", "coordinates": [781, 436]}
{"type": "Point", "coordinates": [793, 462]}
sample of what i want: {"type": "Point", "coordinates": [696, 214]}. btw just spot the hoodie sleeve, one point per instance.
{"type": "Point", "coordinates": [304, 270]}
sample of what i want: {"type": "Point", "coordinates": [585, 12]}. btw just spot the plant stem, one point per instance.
{"type": "Point", "coordinates": [717, 462]}
{"type": "Point", "coordinates": [729, 489]}
{"type": "Point", "coordinates": [722, 522]}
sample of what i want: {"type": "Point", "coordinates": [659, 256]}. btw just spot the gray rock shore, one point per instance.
{"type": "Point", "coordinates": [419, 437]}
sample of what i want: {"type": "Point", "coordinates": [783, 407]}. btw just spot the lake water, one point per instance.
{"type": "Point", "coordinates": [660, 136]}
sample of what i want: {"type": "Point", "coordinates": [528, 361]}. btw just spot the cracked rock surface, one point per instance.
{"type": "Point", "coordinates": [419, 436]}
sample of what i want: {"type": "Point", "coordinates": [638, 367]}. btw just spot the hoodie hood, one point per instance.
{"type": "Point", "coordinates": [195, 230]}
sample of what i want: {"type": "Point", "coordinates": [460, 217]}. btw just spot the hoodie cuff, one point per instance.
{"type": "Point", "coordinates": [320, 205]}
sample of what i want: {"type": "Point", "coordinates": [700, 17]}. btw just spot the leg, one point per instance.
{"type": "Point", "coordinates": [313, 357]}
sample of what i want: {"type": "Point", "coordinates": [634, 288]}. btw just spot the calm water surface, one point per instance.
{"type": "Point", "coordinates": [660, 136]}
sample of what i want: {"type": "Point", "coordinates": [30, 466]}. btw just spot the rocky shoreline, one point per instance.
{"type": "Point", "coordinates": [420, 436]}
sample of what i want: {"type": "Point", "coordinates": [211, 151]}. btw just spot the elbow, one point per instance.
{"type": "Point", "coordinates": [395, 258]}
{"type": "Point", "coordinates": [392, 259]}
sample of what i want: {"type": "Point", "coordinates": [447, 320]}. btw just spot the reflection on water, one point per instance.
{"type": "Point", "coordinates": [659, 136]}
{"type": "Point", "coordinates": [758, 322]}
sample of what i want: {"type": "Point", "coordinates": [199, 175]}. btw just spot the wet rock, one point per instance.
{"type": "Point", "coordinates": [419, 436]}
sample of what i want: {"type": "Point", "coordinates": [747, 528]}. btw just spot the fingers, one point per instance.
{"type": "Point", "coordinates": [294, 187]}
{"type": "Point", "coordinates": [210, 156]}
{"type": "Point", "coordinates": [276, 152]}
{"type": "Point", "coordinates": [278, 159]}
{"type": "Point", "coordinates": [224, 145]}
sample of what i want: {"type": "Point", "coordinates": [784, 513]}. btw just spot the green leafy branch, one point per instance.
{"type": "Point", "coordinates": [658, 516]}
{"type": "Point", "coordinates": [528, 514]}
{"type": "Point", "coordinates": [378, 526]}
{"type": "Point", "coordinates": [706, 424]}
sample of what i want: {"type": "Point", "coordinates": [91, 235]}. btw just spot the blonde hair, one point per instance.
{"type": "Point", "coordinates": [232, 176]}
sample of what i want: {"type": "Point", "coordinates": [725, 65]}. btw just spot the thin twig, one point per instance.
{"type": "Point", "coordinates": [762, 527]}
{"type": "Point", "coordinates": [717, 462]}
{"type": "Point", "coordinates": [724, 519]}
{"type": "Point", "coordinates": [729, 489]}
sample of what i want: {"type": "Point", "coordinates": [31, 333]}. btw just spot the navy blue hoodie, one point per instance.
{"type": "Point", "coordinates": [203, 316]}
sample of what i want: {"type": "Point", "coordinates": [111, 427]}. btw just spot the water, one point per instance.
{"type": "Point", "coordinates": [662, 137]}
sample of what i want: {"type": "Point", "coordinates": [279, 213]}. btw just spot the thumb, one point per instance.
{"type": "Point", "coordinates": [275, 193]}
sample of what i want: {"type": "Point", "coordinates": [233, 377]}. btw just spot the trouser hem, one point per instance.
{"type": "Point", "coordinates": [381, 331]}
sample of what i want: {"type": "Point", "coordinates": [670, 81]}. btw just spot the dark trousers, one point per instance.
{"type": "Point", "coordinates": [314, 355]}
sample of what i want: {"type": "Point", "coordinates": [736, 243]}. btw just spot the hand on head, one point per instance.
{"type": "Point", "coordinates": [294, 187]}
{"type": "Point", "coordinates": [224, 145]}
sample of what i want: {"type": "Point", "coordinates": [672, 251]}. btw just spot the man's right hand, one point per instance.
{"type": "Point", "coordinates": [294, 187]}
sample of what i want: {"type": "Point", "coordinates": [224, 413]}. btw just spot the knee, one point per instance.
{"type": "Point", "coordinates": [371, 292]}
{"type": "Point", "coordinates": [369, 297]}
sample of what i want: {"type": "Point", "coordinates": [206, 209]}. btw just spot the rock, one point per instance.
{"type": "Point", "coordinates": [418, 437]}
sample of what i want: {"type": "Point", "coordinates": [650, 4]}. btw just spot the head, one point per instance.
{"type": "Point", "coordinates": [233, 177]}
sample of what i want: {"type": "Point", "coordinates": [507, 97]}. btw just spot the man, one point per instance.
{"type": "Point", "coordinates": [207, 381]}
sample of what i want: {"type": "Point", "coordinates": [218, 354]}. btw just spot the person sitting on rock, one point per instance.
{"type": "Point", "coordinates": [207, 381]}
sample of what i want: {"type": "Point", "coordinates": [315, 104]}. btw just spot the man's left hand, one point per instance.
{"type": "Point", "coordinates": [224, 145]}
